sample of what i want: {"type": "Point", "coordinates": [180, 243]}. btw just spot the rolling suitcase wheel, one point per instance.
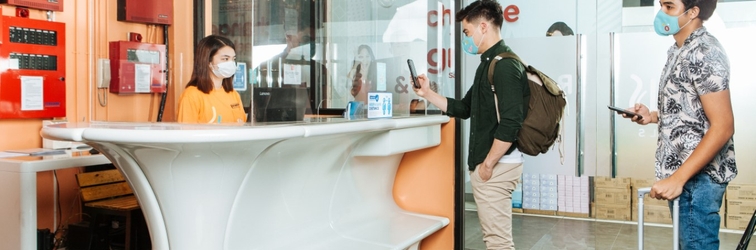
{"type": "Point", "coordinates": [675, 219]}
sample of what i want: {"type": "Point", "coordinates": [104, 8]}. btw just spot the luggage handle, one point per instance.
{"type": "Point", "coordinates": [675, 219]}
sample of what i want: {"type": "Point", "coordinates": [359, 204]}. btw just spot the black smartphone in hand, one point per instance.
{"type": "Point", "coordinates": [413, 73]}
{"type": "Point", "coordinates": [623, 111]}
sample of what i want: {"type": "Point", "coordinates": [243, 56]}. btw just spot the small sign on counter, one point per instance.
{"type": "Point", "coordinates": [379, 105]}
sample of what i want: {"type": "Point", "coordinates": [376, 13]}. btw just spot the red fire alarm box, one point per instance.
{"type": "Point", "coordinates": [145, 11]}
{"type": "Point", "coordinates": [137, 67]}
{"type": "Point", "coordinates": [32, 68]}
{"type": "Point", "coordinates": [56, 5]}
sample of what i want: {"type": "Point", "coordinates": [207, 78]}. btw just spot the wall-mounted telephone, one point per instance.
{"type": "Point", "coordinates": [103, 73]}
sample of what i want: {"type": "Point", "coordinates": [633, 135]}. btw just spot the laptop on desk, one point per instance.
{"type": "Point", "coordinates": [280, 104]}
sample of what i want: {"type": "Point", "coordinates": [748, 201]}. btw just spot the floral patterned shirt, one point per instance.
{"type": "Point", "coordinates": [698, 68]}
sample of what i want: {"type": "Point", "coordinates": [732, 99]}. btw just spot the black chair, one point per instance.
{"type": "Point", "coordinates": [743, 245]}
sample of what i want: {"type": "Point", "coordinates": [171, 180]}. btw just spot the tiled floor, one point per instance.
{"type": "Point", "coordinates": [540, 232]}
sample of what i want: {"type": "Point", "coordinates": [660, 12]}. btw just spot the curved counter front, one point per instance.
{"type": "Point", "coordinates": [307, 185]}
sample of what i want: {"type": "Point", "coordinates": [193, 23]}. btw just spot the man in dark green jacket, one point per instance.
{"type": "Point", "coordinates": [494, 161]}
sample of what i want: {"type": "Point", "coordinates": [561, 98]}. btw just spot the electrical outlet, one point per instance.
{"type": "Point", "coordinates": [103, 73]}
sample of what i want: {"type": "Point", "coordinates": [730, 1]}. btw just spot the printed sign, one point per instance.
{"type": "Point", "coordinates": [379, 105]}
{"type": "Point", "coordinates": [240, 78]}
{"type": "Point", "coordinates": [292, 74]}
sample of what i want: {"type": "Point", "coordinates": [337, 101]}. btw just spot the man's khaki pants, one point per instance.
{"type": "Point", "coordinates": [494, 201]}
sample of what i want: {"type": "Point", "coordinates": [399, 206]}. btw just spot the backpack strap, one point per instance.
{"type": "Point", "coordinates": [496, 59]}
{"type": "Point", "coordinates": [491, 70]}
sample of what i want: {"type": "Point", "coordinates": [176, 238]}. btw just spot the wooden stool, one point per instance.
{"type": "Point", "coordinates": [107, 193]}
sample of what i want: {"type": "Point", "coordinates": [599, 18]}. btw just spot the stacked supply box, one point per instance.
{"type": "Point", "coordinates": [654, 211]}
{"type": "Point", "coordinates": [574, 196]}
{"type": "Point", "coordinates": [517, 196]}
{"type": "Point", "coordinates": [531, 196]}
{"type": "Point", "coordinates": [563, 194]}
{"type": "Point", "coordinates": [549, 195]}
{"type": "Point", "coordinates": [612, 198]}
{"type": "Point", "coordinates": [585, 194]}
{"type": "Point", "coordinates": [741, 203]}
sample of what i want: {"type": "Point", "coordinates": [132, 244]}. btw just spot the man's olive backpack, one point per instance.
{"type": "Point", "coordinates": [541, 126]}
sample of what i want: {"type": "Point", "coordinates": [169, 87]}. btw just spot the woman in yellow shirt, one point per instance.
{"type": "Point", "coordinates": [209, 96]}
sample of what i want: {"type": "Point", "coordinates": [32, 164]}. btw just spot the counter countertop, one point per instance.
{"type": "Point", "coordinates": [187, 133]}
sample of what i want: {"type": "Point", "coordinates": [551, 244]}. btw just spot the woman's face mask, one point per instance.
{"type": "Point", "coordinates": [225, 69]}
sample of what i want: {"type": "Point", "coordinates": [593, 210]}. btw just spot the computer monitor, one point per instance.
{"type": "Point", "coordinates": [279, 104]}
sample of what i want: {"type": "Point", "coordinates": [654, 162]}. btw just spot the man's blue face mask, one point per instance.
{"type": "Point", "coordinates": [468, 44]}
{"type": "Point", "coordinates": [666, 25]}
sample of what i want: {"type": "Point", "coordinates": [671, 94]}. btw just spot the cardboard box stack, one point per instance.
{"type": "Point", "coordinates": [531, 196]}
{"type": "Point", "coordinates": [574, 196]}
{"type": "Point", "coordinates": [741, 203]}
{"type": "Point", "coordinates": [654, 211]}
{"type": "Point", "coordinates": [612, 197]}
{"type": "Point", "coordinates": [549, 195]}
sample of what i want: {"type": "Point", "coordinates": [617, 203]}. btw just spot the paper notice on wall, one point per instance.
{"type": "Point", "coordinates": [292, 74]}
{"type": "Point", "coordinates": [32, 93]}
{"type": "Point", "coordinates": [142, 78]}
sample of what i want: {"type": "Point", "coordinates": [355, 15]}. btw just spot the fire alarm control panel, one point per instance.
{"type": "Point", "coordinates": [32, 68]}
{"type": "Point", "coordinates": [56, 5]}
{"type": "Point", "coordinates": [137, 67]}
{"type": "Point", "coordinates": [145, 11]}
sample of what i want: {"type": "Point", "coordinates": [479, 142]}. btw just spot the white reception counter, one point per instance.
{"type": "Point", "coordinates": [306, 185]}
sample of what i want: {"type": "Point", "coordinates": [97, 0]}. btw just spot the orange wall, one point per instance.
{"type": "Point", "coordinates": [425, 184]}
{"type": "Point", "coordinates": [143, 107]}
{"type": "Point", "coordinates": [90, 25]}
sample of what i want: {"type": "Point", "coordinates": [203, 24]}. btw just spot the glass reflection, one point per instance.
{"type": "Point", "coordinates": [340, 50]}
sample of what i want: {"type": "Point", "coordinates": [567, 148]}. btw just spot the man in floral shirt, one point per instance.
{"type": "Point", "coordinates": [695, 158]}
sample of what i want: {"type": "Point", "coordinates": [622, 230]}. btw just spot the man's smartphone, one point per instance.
{"type": "Point", "coordinates": [413, 73]}
{"type": "Point", "coordinates": [623, 111]}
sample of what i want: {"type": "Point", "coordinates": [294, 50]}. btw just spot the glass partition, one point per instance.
{"type": "Point", "coordinates": [338, 51]}
{"type": "Point", "coordinates": [638, 15]}
{"type": "Point", "coordinates": [639, 60]}
{"type": "Point", "coordinates": [639, 56]}
{"type": "Point", "coordinates": [558, 56]}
